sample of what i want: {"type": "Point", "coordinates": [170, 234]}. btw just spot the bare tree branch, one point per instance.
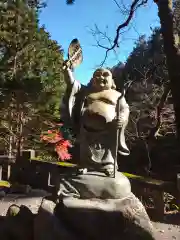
{"type": "Point", "coordinates": [99, 36]}
{"type": "Point", "coordinates": [134, 6]}
{"type": "Point", "coordinates": [117, 4]}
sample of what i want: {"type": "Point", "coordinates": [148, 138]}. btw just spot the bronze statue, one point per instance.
{"type": "Point", "coordinates": [96, 112]}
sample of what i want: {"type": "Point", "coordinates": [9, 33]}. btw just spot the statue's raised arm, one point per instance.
{"type": "Point", "coordinates": [68, 75]}
{"type": "Point", "coordinates": [68, 109]}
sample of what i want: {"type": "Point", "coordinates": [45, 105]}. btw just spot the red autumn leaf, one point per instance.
{"type": "Point", "coordinates": [59, 124]}
{"type": "Point", "coordinates": [56, 138]}
{"type": "Point", "coordinates": [61, 145]}
{"type": "Point", "coordinates": [66, 143]}
{"type": "Point", "coordinates": [53, 137]}
{"type": "Point", "coordinates": [62, 151]}
{"type": "Point", "coordinates": [44, 138]}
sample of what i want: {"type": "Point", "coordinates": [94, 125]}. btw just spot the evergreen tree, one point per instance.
{"type": "Point", "coordinates": [31, 78]}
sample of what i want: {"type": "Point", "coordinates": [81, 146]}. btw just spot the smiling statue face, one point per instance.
{"type": "Point", "coordinates": [102, 79]}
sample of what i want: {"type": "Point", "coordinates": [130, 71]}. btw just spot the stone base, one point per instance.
{"type": "Point", "coordinates": [91, 207]}
{"type": "Point", "coordinates": [47, 226]}
{"type": "Point", "coordinates": [82, 219]}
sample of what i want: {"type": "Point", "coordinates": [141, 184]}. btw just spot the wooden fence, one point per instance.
{"type": "Point", "coordinates": [6, 163]}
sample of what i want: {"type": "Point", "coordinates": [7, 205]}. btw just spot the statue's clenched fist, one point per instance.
{"type": "Point", "coordinates": [120, 121]}
{"type": "Point", "coordinates": [67, 64]}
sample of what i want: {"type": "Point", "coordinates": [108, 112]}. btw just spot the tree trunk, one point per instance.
{"type": "Point", "coordinates": [11, 137]}
{"type": "Point", "coordinates": [154, 131]}
{"type": "Point", "coordinates": [19, 125]}
{"type": "Point", "coordinates": [172, 54]}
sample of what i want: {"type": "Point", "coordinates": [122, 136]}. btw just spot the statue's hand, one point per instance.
{"type": "Point", "coordinates": [120, 121]}
{"type": "Point", "coordinates": [67, 64]}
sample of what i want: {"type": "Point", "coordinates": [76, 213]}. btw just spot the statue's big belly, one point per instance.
{"type": "Point", "coordinates": [98, 114]}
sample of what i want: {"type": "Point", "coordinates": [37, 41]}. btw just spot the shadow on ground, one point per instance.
{"type": "Point", "coordinates": [168, 218]}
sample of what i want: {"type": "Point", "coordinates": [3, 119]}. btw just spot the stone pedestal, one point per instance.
{"type": "Point", "coordinates": [92, 206]}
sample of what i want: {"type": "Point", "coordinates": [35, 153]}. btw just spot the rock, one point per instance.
{"type": "Point", "coordinates": [18, 223]}
{"type": "Point", "coordinates": [13, 210]}
{"type": "Point", "coordinates": [75, 218]}
{"type": "Point", "coordinates": [49, 227]}
{"type": "Point", "coordinates": [95, 185]}
{"type": "Point", "coordinates": [2, 194]}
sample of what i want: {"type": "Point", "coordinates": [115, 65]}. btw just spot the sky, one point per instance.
{"type": "Point", "coordinates": [66, 22]}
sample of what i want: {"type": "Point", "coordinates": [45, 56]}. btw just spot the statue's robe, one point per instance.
{"type": "Point", "coordinates": [96, 148]}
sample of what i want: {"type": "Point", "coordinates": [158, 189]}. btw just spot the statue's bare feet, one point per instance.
{"type": "Point", "coordinates": [82, 170]}
{"type": "Point", "coordinates": [109, 172]}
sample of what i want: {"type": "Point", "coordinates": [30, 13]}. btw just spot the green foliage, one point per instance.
{"type": "Point", "coordinates": [61, 164]}
{"type": "Point", "coordinates": [31, 79]}
{"type": "Point", "coordinates": [30, 60]}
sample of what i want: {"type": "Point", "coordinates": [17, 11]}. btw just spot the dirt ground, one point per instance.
{"type": "Point", "coordinates": [166, 230]}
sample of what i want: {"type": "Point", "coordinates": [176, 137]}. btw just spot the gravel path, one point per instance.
{"type": "Point", "coordinates": [167, 231]}
{"type": "Point", "coordinates": [33, 201]}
